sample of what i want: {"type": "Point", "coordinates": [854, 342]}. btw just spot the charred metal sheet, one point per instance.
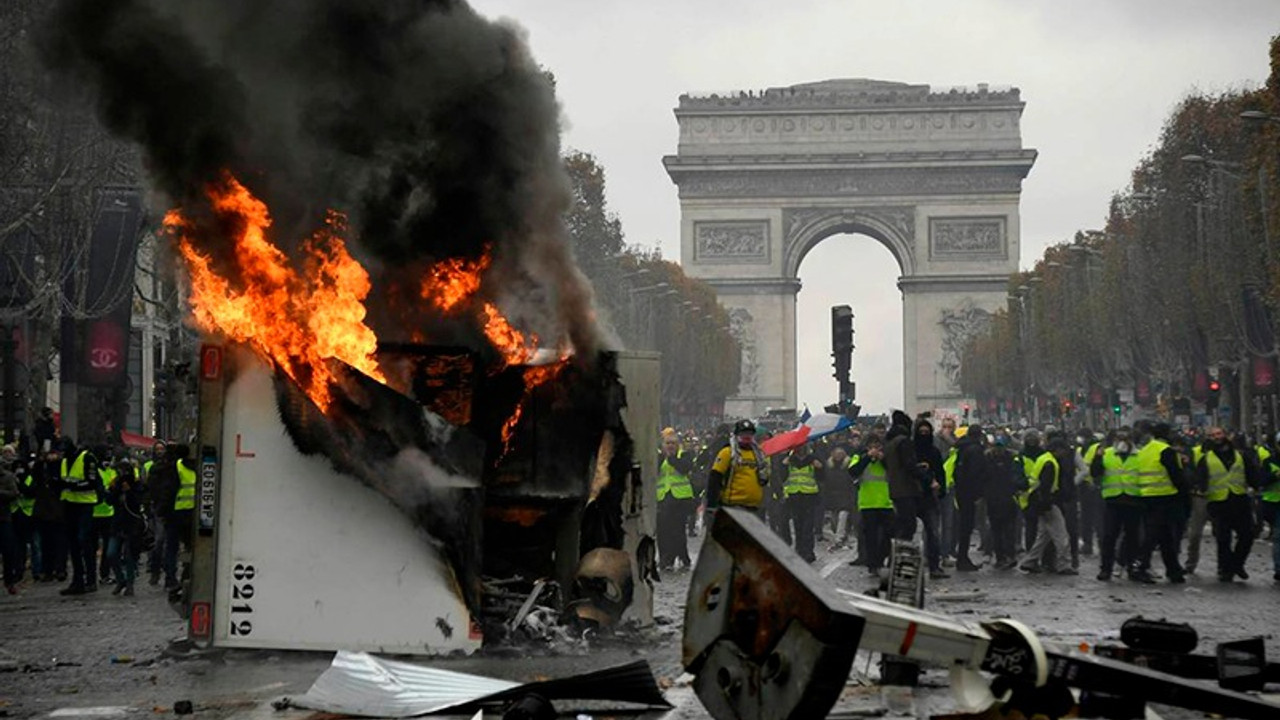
{"type": "Point", "coordinates": [364, 685]}
{"type": "Point", "coordinates": [764, 637]}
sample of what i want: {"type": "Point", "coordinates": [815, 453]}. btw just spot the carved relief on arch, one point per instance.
{"type": "Point", "coordinates": [893, 225]}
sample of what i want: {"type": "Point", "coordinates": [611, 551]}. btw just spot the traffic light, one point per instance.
{"type": "Point", "coordinates": [1116, 409]}
{"type": "Point", "coordinates": [842, 350]}
{"type": "Point", "coordinates": [966, 413]}
{"type": "Point", "coordinates": [842, 340]}
{"type": "Point", "coordinates": [1211, 402]}
{"type": "Point", "coordinates": [1066, 407]}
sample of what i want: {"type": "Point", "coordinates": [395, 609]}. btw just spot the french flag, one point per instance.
{"type": "Point", "coordinates": [811, 427]}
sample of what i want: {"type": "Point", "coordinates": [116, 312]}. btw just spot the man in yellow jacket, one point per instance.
{"type": "Point", "coordinates": [740, 471]}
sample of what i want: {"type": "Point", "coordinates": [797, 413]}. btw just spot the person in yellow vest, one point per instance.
{"type": "Point", "coordinates": [803, 500]}
{"type": "Point", "coordinates": [23, 509]}
{"type": "Point", "coordinates": [1269, 461]}
{"type": "Point", "coordinates": [81, 488]}
{"type": "Point", "coordinates": [740, 472]}
{"type": "Point", "coordinates": [181, 509]}
{"type": "Point", "coordinates": [1198, 510]}
{"type": "Point", "coordinates": [9, 495]}
{"type": "Point", "coordinates": [1051, 526]}
{"type": "Point", "coordinates": [874, 504]}
{"type": "Point", "coordinates": [1221, 474]}
{"type": "Point", "coordinates": [675, 501]}
{"type": "Point", "coordinates": [103, 539]}
{"type": "Point", "coordinates": [1090, 503]}
{"type": "Point", "coordinates": [1160, 481]}
{"type": "Point", "coordinates": [1114, 470]}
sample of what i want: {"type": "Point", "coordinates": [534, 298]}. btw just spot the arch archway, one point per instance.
{"type": "Point", "coordinates": [935, 177]}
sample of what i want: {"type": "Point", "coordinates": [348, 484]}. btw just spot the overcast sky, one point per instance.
{"type": "Point", "coordinates": [1098, 78]}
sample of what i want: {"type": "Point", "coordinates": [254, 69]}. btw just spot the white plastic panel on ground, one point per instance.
{"type": "Point", "coordinates": [310, 559]}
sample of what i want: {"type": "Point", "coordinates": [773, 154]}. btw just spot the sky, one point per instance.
{"type": "Point", "coordinates": [1099, 77]}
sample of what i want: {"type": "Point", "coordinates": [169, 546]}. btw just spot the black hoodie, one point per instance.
{"type": "Point", "coordinates": [928, 455]}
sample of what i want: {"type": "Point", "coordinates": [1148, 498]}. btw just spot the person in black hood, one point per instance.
{"type": "Point", "coordinates": [914, 466]}
{"type": "Point", "coordinates": [971, 476]}
{"type": "Point", "coordinates": [1008, 476]}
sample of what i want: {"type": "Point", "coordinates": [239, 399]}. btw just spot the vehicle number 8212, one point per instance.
{"type": "Point", "coordinates": [242, 576]}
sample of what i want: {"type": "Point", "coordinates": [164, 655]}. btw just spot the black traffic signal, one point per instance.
{"type": "Point", "coordinates": [1211, 402]}
{"type": "Point", "coordinates": [842, 341]}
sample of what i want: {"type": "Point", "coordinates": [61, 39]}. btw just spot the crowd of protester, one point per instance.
{"type": "Point", "coordinates": [1034, 500]}
{"type": "Point", "coordinates": [85, 516]}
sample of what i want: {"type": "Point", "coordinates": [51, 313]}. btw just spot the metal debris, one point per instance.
{"type": "Point", "coordinates": [360, 684]}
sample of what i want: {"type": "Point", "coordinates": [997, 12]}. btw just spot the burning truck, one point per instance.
{"type": "Point", "coordinates": [505, 467]}
{"type": "Point", "coordinates": [408, 406]}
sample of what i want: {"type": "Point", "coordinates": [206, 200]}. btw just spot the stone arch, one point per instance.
{"type": "Point", "coordinates": [934, 176]}
{"type": "Point", "coordinates": [893, 228]}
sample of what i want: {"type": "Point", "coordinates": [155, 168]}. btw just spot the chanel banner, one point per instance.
{"type": "Point", "coordinates": [109, 289]}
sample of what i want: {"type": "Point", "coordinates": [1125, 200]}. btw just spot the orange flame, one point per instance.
{"type": "Point", "coordinates": [533, 377]}
{"type": "Point", "coordinates": [513, 345]}
{"type": "Point", "coordinates": [297, 320]}
{"type": "Point", "coordinates": [450, 282]}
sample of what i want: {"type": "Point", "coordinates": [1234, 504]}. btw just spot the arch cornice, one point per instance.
{"type": "Point", "coordinates": [893, 226]}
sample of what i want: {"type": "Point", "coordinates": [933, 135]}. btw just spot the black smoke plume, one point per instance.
{"type": "Point", "coordinates": [429, 125]}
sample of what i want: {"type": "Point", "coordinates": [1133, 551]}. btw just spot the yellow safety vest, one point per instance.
{"type": "Point", "coordinates": [186, 497]}
{"type": "Point", "coordinates": [1091, 452]}
{"type": "Point", "coordinates": [1223, 481]}
{"type": "Point", "coordinates": [1119, 474]}
{"type": "Point", "coordinates": [1037, 467]}
{"type": "Point", "coordinates": [83, 494]}
{"type": "Point", "coordinates": [24, 504]}
{"type": "Point", "coordinates": [1153, 479]}
{"type": "Point", "coordinates": [672, 482]}
{"type": "Point", "coordinates": [1023, 497]}
{"type": "Point", "coordinates": [873, 488]}
{"type": "Point", "coordinates": [801, 481]}
{"type": "Point", "coordinates": [105, 509]}
{"type": "Point", "coordinates": [949, 468]}
{"type": "Point", "coordinates": [1270, 493]}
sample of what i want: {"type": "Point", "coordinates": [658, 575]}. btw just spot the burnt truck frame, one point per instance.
{"type": "Point", "coordinates": [295, 549]}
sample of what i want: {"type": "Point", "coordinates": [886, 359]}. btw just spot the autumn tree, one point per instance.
{"type": "Point", "coordinates": [1182, 277]}
{"type": "Point", "coordinates": [650, 304]}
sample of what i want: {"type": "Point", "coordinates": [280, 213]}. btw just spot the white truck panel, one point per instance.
{"type": "Point", "coordinates": [311, 559]}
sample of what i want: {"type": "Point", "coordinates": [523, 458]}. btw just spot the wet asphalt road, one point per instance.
{"type": "Point", "coordinates": [104, 651]}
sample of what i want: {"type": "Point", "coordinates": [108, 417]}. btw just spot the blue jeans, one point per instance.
{"type": "Point", "coordinates": [25, 527]}
{"type": "Point", "coordinates": [108, 543]}
{"type": "Point", "coordinates": [126, 561]}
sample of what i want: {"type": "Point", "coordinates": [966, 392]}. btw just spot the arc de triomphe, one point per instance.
{"type": "Point", "coordinates": [934, 176]}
